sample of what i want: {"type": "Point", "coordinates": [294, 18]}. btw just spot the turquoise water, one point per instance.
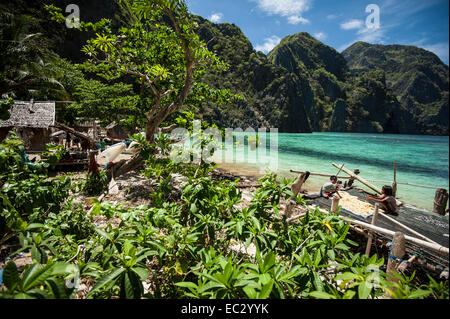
{"type": "Point", "coordinates": [420, 160]}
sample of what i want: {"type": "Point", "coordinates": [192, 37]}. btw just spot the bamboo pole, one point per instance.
{"type": "Point", "coordinates": [394, 185]}
{"type": "Point", "coordinates": [340, 169]}
{"type": "Point", "coordinates": [362, 180]}
{"type": "Point", "coordinates": [369, 180]}
{"type": "Point", "coordinates": [374, 222]}
{"type": "Point", "coordinates": [317, 174]}
{"type": "Point", "coordinates": [408, 229]}
{"type": "Point", "coordinates": [441, 250]}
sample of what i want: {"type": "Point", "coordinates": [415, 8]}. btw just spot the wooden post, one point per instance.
{"type": "Point", "coordinates": [335, 203]}
{"type": "Point", "coordinates": [297, 185]}
{"type": "Point", "coordinates": [440, 201]}
{"type": "Point", "coordinates": [296, 189]}
{"type": "Point", "coordinates": [394, 185]}
{"type": "Point", "coordinates": [397, 252]}
{"type": "Point", "coordinates": [374, 222]}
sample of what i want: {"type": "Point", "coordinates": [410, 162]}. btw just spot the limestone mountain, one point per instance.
{"type": "Point", "coordinates": [418, 79]}
{"type": "Point", "coordinates": [273, 95]}
{"type": "Point", "coordinates": [343, 101]}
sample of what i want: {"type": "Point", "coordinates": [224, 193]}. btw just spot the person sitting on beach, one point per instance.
{"type": "Point", "coordinates": [330, 188]}
{"type": "Point", "coordinates": [387, 200]}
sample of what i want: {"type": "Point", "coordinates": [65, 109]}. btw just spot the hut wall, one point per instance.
{"type": "Point", "coordinates": [4, 131]}
{"type": "Point", "coordinates": [117, 132]}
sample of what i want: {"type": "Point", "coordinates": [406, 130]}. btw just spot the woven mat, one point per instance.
{"type": "Point", "coordinates": [355, 206]}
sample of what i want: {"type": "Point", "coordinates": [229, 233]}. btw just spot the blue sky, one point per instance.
{"type": "Point", "coordinates": [337, 23]}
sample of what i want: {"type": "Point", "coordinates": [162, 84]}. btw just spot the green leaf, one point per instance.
{"type": "Point", "coordinates": [11, 276]}
{"type": "Point", "coordinates": [187, 284]}
{"type": "Point", "coordinates": [35, 275]}
{"type": "Point", "coordinates": [131, 287]}
{"type": "Point", "coordinates": [321, 295]}
{"type": "Point", "coordinates": [141, 272]}
{"type": "Point", "coordinates": [105, 280]}
{"type": "Point", "coordinates": [266, 290]}
{"type": "Point", "coordinates": [364, 291]}
{"type": "Point", "coordinates": [35, 226]}
{"type": "Point", "coordinates": [349, 294]}
{"type": "Point", "coordinates": [417, 294]}
{"type": "Point", "coordinates": [250, 292]}
{"type": "Point", "coordinates": [58, 288]}
{"type": "Point", "coordinates": [103, 233]}
{"type": "Point", "coordinates": [347, 276]}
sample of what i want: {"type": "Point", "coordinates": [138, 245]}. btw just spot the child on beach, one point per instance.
{"type": "Point", "coordinates": [330, 188]}
{"type": "Point", "coordinates": [387, 200]}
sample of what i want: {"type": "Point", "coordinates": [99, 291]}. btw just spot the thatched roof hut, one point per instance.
{"type": "Point", "coordinates": [31, 120]}
{"type": "Point", "coordinates": [31, 115]}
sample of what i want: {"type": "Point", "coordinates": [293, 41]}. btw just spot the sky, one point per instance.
{"type": "Point", "coordinates": [337, 23]}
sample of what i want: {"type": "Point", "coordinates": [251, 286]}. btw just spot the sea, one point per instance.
{"type": "Point", "coordinates": [421, 160]}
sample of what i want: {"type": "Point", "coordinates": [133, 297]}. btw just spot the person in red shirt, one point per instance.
{"type": "Point", "coordinates": [387, 200]}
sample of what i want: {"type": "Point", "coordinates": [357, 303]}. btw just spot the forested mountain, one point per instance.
{"type": "Point", "coordinates": [418, 79]}
{"type": "Point", "coordinates": [303, 85]}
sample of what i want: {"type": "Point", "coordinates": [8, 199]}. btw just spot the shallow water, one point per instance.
{"type": "Point", "coordinates": [420, 160]}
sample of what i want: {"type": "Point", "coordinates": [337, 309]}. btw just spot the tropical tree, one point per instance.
{"type": "Point", "coordinates": [26, 66]}
{"type": "Point", "coordinates": [159, 50]}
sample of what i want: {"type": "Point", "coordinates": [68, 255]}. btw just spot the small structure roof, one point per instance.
{"type": "Point", "coordinates": [31, 114]}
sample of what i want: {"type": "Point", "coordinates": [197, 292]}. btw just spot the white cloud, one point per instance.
{"type": "Point", "coordinates": [216, 17]}
{"type": "Point", "coordinates": [320, 35]}
{"type": "Point", "coordinates": [269, 44]}
{"type": "Point", "coordinates": [331, 16]}
{"type": "Point", "coordinates": [291, 9]}
{"type": "Point", "coordinates": [440, 49]}
{"type": "Point", "coordinates": [352, 24]}
{"type": "Point", "coordinates": [297, 20]}
{"type": "Point", "coordinates": [371, 35]}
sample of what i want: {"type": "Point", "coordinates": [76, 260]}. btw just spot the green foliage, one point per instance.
{"type": "Point", "coordinates": [37, 282]}
{"type": "Point", "coordinates": [26, 193]}
{"type": "Point", "coordinates": [161, 53]}
{"type": "Point", "coordinates": [26, 65]}
{"type": "Point", "coordinates": [5, 105]}
{"type": "Point", "coordinates": [95, 184]}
